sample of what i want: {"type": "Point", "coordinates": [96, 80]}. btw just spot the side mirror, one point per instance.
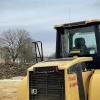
{"type": "Point", "coordinates": [38, 51]}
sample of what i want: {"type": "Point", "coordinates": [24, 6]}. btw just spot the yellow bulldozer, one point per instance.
{"type": "Point", "coordinates": [74, 74]}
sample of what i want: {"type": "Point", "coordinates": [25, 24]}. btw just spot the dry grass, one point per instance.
{"type": "Point", "coordinates": [8, 71]}
{"type": "Point", "coordinates": [8, 89]}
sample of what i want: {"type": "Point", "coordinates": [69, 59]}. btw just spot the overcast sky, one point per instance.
{"type": "Point", "coordinates": [39, 16]}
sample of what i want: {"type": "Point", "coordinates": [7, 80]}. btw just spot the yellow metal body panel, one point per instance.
{"type": "Point", "coordinates": [92, 21]}
{"type": "Point", "coordinates": [86, 80]}
{"type": "Point", "coordinates": [62, 64]}
{"type": "Point", "coordinates": [86, 22]}
{"type": "Point", "coordinates": [71, 88]}
{"type": "Point", "coordinates": [72, 92]}
{"type": "Point", "coordinates": [23, 90]}
{"type": "Point", "coordinates": [94, 86]}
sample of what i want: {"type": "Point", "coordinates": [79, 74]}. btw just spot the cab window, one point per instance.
{"type": "Point", "coordinates": [81, 39]}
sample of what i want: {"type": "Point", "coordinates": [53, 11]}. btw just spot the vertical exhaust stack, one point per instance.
{"type": "Point", "coordinates": [38, 51]}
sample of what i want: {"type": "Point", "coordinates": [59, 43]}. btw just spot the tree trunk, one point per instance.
{"type": "Point", "coordinates": [14, 60]}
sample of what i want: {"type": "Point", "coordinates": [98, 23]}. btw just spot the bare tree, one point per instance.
{"type": "Point", "coordinates": [26, 51]}
{"type": "Point", "coordinates": [14, 40]}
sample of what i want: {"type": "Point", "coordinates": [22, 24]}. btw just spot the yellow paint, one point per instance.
{"type": "Point", "coordinates": [71, 92]}
{"type": "Point", "coordinates": [75, 51]}
{"type": "Point", "coordinates": [71, 88]}
{"type": "Point", "coordinates": [86, 79]}
{"type": "Point", "coordinates": [86, 22]}
{"type": "Point", "coordinates": [94, 86]}
{"type": "Point", "coordinates": [23, 90]}
{"type": "Point", "coordinates": [60, 25]}
{"type": "Point", "coordinates": [62, 64]}
{"type": "Point", "coordinates": [92, 21]}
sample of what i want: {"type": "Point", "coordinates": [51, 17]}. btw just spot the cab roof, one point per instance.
{"type": "Point", "coordinates": [77, 24]}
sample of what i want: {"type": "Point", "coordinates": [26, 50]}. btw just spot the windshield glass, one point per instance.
{"type": "Point", "coordinates": [81, 40]}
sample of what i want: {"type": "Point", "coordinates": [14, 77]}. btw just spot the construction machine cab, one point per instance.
{"type": "Point", "coordinates": [82, 38]}
{"type": "Point", "coordinates": [68, 77]}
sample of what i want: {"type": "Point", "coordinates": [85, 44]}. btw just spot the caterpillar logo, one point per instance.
{"type": "Point", "coordinates": [34, 91]}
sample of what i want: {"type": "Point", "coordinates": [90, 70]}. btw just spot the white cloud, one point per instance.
{"type": "Point", "coordinates": [39, 16]}
{"type": "Point", "coordinates": [49, 48]}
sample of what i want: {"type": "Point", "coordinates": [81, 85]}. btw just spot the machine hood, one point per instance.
{"type": "Point", "coordinates": [64, 63]}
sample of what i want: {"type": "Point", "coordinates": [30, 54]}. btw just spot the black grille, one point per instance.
{"type": "Point", "coordinates": [46, 86]}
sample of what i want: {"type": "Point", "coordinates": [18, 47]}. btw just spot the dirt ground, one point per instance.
{"type": "Point", "coordinates": [10, 78]}
{"type": "Point", "coordinates": [8, 89]}
{"type": "Point", "coordinates": [7, 71]}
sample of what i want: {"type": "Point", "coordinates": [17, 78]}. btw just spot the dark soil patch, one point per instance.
{"type": "Point", "coordinates": [13, 70]}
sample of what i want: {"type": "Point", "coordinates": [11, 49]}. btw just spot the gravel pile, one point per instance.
{"type": "Point", "coordinates": [13, 70]}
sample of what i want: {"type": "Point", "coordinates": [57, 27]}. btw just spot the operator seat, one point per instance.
{"type": "Point", "coordinates": [80, 45]}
